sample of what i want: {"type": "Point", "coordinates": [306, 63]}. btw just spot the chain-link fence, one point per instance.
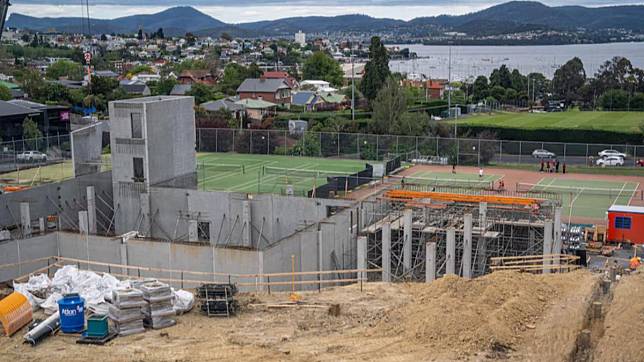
{"type": "Point", "coordinates": [461, 151]}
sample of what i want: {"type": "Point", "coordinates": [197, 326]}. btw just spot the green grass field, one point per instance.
{"type": "Point", "coordinates": [621, 122]}
{"type": "Point", "coordinates": [268, 173]}
{"type": "Point", "coordinates": [588, 198]}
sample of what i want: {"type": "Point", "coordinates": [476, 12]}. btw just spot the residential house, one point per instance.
{"type": "Point", "coordinates": [305, 99]}
{"type": "Point", "coordinates": [135, 88]}
{"type": "Point", "coordinates": [434, 88]}
{"type": "Point", "coordinates": [180, 89]}
{"type": "Point", "coordinates": [193, 76]}
{"type": "Point", "coordinates": [318, 85]}
{"type": "Point", "coordinates": [290, 80]}
{"type": "Point", "coordinates": [257, 109]}
{"type": "Point", "coordinates": [16, 91]}
{"type": "Point", "coordinates": [270, 90]}
{"type": "Point", "coordinates": [227, 104]}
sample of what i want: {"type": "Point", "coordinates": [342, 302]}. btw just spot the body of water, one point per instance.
{"type": "Point", "coordinates": [472, 61]}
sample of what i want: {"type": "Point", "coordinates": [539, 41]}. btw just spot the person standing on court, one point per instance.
{"type": "Point", "coordinates": [557, 166]}
{"type": "Point", "coordinates": [563, 169]}
{"type": "Point", "coordinates": [541, 170]}
{"type": "Point", "coordinates": [480, 172]}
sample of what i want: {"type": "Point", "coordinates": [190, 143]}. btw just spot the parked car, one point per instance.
{"type": "Point", "coordinates": [30, 156]}
{"type": "Point", "coordinates": [541, 153]}
{"type": "Point", "coordinates": [610, 161]}
{"type": "Point", "coordinates": [607, 153]}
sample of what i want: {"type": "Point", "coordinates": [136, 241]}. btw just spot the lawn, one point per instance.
{"type": "Point", "coordinates": [620, 122]}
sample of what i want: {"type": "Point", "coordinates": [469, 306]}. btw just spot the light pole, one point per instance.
{"type": "Point", "coordinates": [353, 90]}
{"type": "Point", "coordinates": [449, 81]}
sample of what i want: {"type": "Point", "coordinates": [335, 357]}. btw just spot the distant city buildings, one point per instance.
{"type": "Point", "coordinates": [300, 38]}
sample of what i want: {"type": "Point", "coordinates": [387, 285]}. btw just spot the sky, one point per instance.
{"type": "Point", "coordinates": [240, 11]}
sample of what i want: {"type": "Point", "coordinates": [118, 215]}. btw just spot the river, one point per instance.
{"type": "Point", "coordinates": [472, 61]}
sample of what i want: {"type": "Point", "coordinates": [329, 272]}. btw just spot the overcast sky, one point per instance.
{"type": "Point", "coordinates": [239, 11]}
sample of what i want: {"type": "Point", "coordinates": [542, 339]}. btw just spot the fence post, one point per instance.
{"type": "Point", "coordinates": [338, 140]}
{"type": "Point", "coordinates": [564, 155]}
{"type": "Point", "coordinates": [378, 147]}
{"type": "Point", "coordinates": [520, 152]}
{"type": "Point", "coordinates": [397, 144]}
{"type": "Point", "coordinates": [500, 151]}
{"type": "Point", "coordinates": [234, 131]}
{"type": "Point", "coordinates": [216, 139]}
{"type": "Point", "coordinates": [358, 142]}
{"type": "Point", "coordinates": [250, 145]}
{"type": "Point", "coordinates": [479, 153]}
{"type": "Point", "coordinates": [416, 155]}
{"type": "Point", "coordinates": [268, 143]}
{"type": "Point", "coordinates": [320, 140]}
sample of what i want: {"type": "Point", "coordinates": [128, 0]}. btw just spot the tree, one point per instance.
{"type": "Point", "coordinates": [320, 66]}
{"type": "Point", "coordinates": [5, 93]}
{"type": "Point", "coordinates": [498, 93]}
{"type": "Point", "coordinates": [411, 124]}
{"type": "Point", "coordinates": [163, 87]}
{"type": "Point", "coordinates": [480, 88]}
{"type": "Point", "coordinates": [569, 79]}
{"type": "Point", "coordinates": [376, 70]}
{"type": "Point", "coordinates": [30, 131]}
{"type": "Point", "coordinates": [203, 93]}
{"type": "Point", "coordinates": [103, 85]}
{"type": "Point", "coordinates": [501, 77]}
{"type": "Point", "coordinates": [510, 96]}
{"type": "Point", "coordinates": [617, 73]}
{"type": "Point", "coordinates": [388, 106]}
{"type": "Point", "coordinates": [65, 68]}
{"type": "Point", "coordinates": [615, 100]}
{"type": "Point", "coordinates": [517, 81]}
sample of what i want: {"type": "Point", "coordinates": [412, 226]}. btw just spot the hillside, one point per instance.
{"type": "Point", "coordinates": [515, 16]}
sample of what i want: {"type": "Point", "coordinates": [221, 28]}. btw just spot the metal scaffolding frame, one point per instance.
{"type": "Point", "coordinates": [496, 230]}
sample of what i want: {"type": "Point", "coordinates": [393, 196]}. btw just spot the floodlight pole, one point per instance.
{"type": "Point", "coordinates": [353, 90]}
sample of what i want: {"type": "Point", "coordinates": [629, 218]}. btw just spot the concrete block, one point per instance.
{"type": "Point", "coordinates": [25, 219]}
{"type": "Point", "coordinates": [83, 226]}
{"type": "Point", "coordinates": [91, 209]}
{"type": "Point", "coordinates": [430, 262]}
{"type": "Point", "coordinates": [407, 233]}
{"type": "Point", "coordinates": [547, 245]}
{"type": "Point", "coordinates": [467, 246]}
{"type": "Point", "coordinates": [361, 262]}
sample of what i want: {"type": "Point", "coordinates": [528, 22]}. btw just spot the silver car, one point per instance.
{"type": "Point", "coordinates": [30, 156]}
{"type": "Point", "coordinates": [541, 153]}
{"type": "Point", "coordinates": [607, 153]}
{"type": "Point", "coordinates": [610, 161]}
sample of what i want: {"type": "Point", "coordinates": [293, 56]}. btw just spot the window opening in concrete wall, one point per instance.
{"type": "Point", "coordinates": [137, 169]}
{"type": "Point", "coordinates": [203, 231]}
{"type": "Point", "coordinates": [137, 128]}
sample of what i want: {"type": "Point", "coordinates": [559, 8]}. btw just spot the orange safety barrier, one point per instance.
{"type": "Point", "coordinates": [404, 195]}
{"type": "Point", "coordinates": [15, 313]}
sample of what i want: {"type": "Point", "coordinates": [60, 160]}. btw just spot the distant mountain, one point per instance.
{"type": "Point", "coordinates": [515, 16]}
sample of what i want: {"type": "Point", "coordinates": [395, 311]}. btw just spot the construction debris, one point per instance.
{"type": "Point", "coordinates": [41, 330]}
{"type": "Point", "coordinates": [217, 299]}
{"type": "Point", "coordinates": [15, 313]}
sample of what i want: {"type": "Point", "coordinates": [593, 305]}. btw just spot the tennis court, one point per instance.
{"type": "Point", "coordinates": [269, 173]}
{"type": "Point", "coordinates": [585, 198]}
{"type": "Point", "coordinates": [431, 178]}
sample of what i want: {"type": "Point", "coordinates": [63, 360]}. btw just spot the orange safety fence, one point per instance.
{"type": "Point", "coordinates": [406, 195]}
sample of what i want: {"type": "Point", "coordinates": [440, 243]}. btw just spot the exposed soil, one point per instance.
{"type": "Point", "coordinates": [623, 337]}
{"type": "Point", "coordinates": [501, 315]}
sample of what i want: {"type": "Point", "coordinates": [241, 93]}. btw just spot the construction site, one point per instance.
{"type": "Point", "coordinates": [373, 264]}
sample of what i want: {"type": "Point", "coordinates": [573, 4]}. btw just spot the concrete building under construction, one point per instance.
{"type": "Point", "coordinates": [147, 212]}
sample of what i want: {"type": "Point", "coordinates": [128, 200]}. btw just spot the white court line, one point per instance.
{"type": "Point", "coordinates": [254, 182]}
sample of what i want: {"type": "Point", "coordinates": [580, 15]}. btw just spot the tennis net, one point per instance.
{"type": "Point", "coordinates": [440, 182]}
{"type": "Point", "coordinates": [223, 167]}
{"type": "Point", "coordinates": [625, 191]}
{"type": "Point", "coordinates": [305, 173]}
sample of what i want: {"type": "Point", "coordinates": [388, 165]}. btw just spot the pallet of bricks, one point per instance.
{"type": "Point", "coordinates": [158, 311]}
{"type": "Point", "coordinates": [217, 300]}
{"type": "Point", "coordinates": [125, 311]}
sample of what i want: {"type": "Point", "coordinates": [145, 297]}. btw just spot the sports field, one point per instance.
{"type": "Point", "coordinates": [622, 122]}
{"type": "Point", "coordinates": [586, 198]}
{"type": "Point", "coordinates": [268, 173]}
{"type": "Point", "coordinates": [452, 179]}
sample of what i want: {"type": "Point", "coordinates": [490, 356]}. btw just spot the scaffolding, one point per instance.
{"type": "Point", "coordinates": [455, 233]}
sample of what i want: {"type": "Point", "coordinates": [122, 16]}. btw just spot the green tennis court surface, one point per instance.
{"type": "Point", "coordinates": [452, 179]}
{"type": "Point", "coordinates": [269, 173]}
{"type": "Point", "coordinates": [587, 198]}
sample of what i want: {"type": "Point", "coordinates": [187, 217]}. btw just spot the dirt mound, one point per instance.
{"type": "Point", "coordinates": [487, 314]}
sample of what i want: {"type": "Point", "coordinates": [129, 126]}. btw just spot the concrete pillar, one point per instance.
{"type": "Point", "coordinates": [124, 256]}
{"type": "Point", "coordinates": [361, 263]}
{"type": "Point", "coordinates": [246, 222]}
{"type": "Point", "coordinates": [260, 270]}
{"type": "Point", "coordinates": [193, 230]}
{"type": "Point", "coordinates": [25, 219]}
{"type": "Point", "coordinates": [41, 225]}
{"type": "Point", "coordinates": [320, 250]}
{"type": "Point", "coordinates": [363, 217]}
{"type": "Point", "coordinates": [450, 254]}
{"type": "Point", "coordinates": [483, 216]}
{"type": "Point", "coordinates": [386, 252]}
{"type": "Point", "coordinates": [547, 245]}
{"type": "Point", "coordinates": [407, 220]}
{"type": "Point", "coordinates": [91, 209]}
{"type": "Point", "coordinates": [557, 243]}
{"type": "Point", "coordinates": [467, 246]}
{"type": "Point", "coordinates": [146, 223]}
{"type": "Point", "coordinates": [83, 226]}
{"type": "Point", "coordinates": [430, 262]}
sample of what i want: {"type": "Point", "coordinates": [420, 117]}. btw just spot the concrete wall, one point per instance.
{"type": "Point", "coordinates": [275, 216]}
{"type": "Point", "coordinates": [63, 199]}
{"type": "Point", "coordinates": [86, 149]}
{"type": "Point", "coordinates": [17, 251]}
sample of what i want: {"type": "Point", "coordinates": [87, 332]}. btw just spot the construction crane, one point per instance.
{"type": "Point", "coordinates": [4, 9]}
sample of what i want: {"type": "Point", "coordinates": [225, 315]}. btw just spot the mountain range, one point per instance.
{"type": "Point", "coordinates": [499, 19]}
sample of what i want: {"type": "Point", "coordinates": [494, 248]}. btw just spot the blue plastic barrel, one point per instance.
{"type": "Point", "coordinates": [72, 313]}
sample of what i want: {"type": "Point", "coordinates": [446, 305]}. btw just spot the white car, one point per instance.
{"type": "Point", "coordinates": [29, 156]}
{"type": "Point", "coordinates": [610, 161]}
{"type": "Point", "coordinates": [541, 153]}
{"type": "Point", "coordinates": [607, 153]}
